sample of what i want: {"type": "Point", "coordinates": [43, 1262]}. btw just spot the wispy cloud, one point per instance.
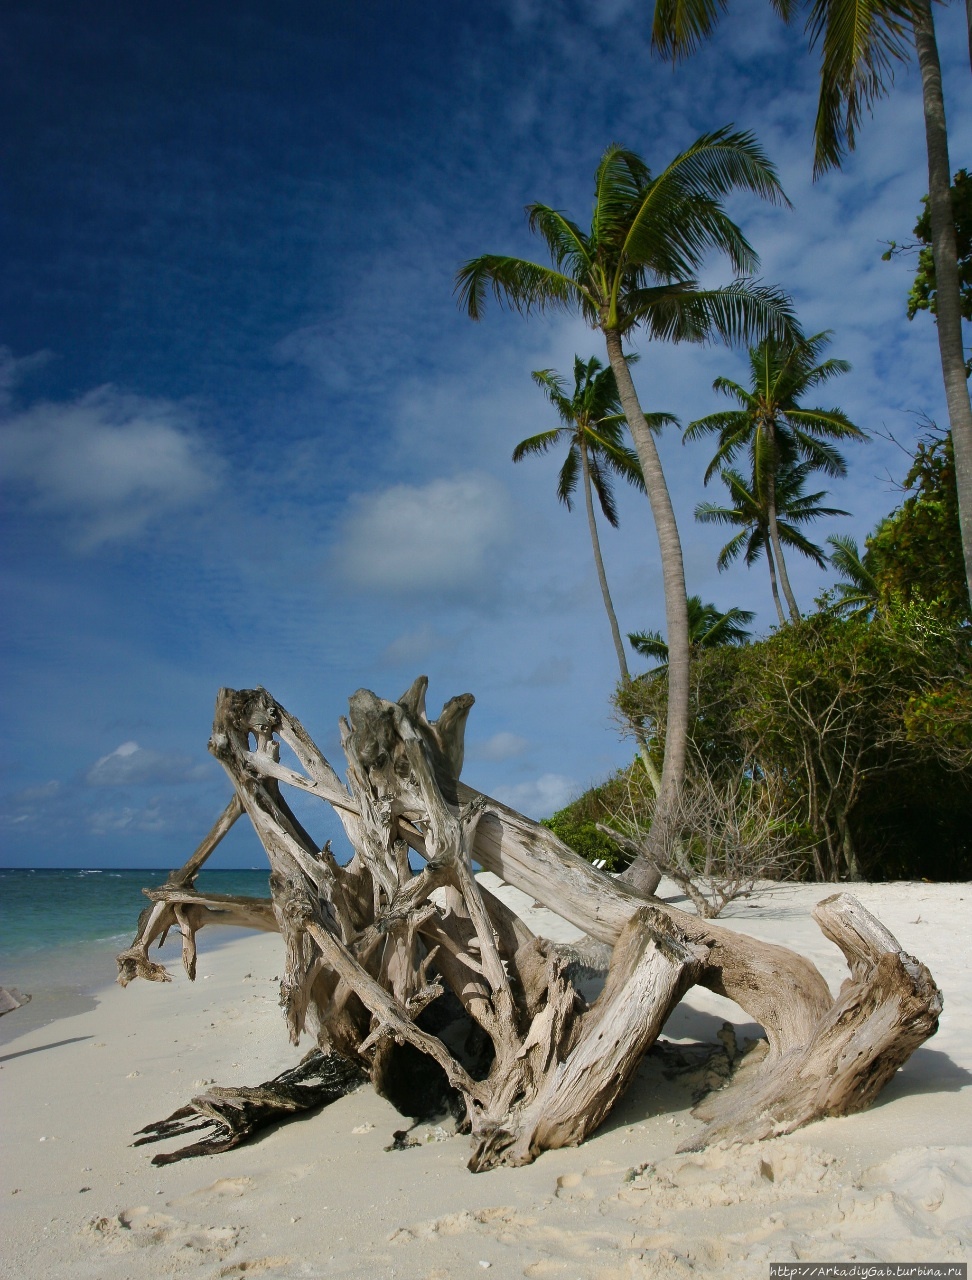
{"type": "Point", "coordinates": [539, 797]}
{"type": "Point", "coordinates": [417, 645]}
{"type": "Point", "coordinates": [15, 369]}
{"type": "Point", "coordinates": [501, 746]}
{"type": "Point", "coordinates": [440, 537]}
{"type": "Point", "coordinates": [130, 765]}
{"type": "Point", "coordinates": [106, 464]}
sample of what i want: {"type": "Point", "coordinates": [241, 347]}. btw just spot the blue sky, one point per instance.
{"type": "Point", "coordinates": [247, 437]}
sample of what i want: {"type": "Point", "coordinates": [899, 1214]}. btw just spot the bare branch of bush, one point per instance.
{"type": "Point", "coordinates": [723, 836]}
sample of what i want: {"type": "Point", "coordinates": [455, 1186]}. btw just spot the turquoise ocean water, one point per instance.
{"type": "Point", "coordinates": [61, 929]}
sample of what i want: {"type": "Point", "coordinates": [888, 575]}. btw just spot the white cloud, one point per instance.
{"type": "Point", "coordinates": [540, 797]}
{"type": "Point", "coordinates": [108, 463]}
{"type": "Point", "coordinates": [148, 818]}
{"type": "Point", "coordinates": [14, 369]}
{"type": "Point", "coordinates": [416, 646]}
{"type": "Point", "coordinates": [130, 765]}
{"type": "Point", "coordinates": [433, 537]}
{"type": "Point", "coordinates": [501, 746]}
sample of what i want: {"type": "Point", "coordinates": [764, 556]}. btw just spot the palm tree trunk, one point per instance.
{"type": "Point", "coordinates": [774, 532]}
{"type": "Point", "coordinates": [676, 606]}
{"type": "Point", "coordinates": [776, 595]}
{"type": "Point", "coordinates": [945, 254]}
{"type": "Point", "coordinates": [644, 749]}
{"type": "Point", "coordinates": [601, 576]}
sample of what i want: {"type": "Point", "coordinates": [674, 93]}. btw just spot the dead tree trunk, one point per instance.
{"type": "Point", "coordinates": [374, 949]}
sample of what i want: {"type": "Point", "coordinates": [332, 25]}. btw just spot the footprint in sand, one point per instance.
{"type": "Point", "coordinates": [590, 1184]}
{"type": "Point", "coordinates": [221, 1189]}
{"type": "Point", "coordinates": [499, 1221]}
{"type": "Point", "coordinates": [142, 1227]}
{"type": "Point", "coordinates": [916, 1203]}
{"type": "Point", "coordinates": [257, 1267]}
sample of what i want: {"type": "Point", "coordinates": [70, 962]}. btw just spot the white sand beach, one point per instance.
{"type": "Point", "coordinates": [321, 1196]}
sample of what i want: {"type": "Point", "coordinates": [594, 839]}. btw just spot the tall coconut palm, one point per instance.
{"type": "Point", "coordinates": [860, 42]}
{"type": "Point", "coordinates": [749, 514]}
{"type": "Point", "coordinates": [634, 269]}
{"type": "Point", "coordinates": [776, 428]}
{"type": "Point", "coordinates": [593, 426]}
{"type": "Point", "coordinates": [709, 627]}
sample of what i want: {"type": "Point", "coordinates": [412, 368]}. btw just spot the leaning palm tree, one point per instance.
{"type": "Point", "coordinates": [749, 514]}
{"type": "Point", "coordinates": [593, 426]}
{"type": "Point", "coordinates": [858, 592]}
{"type": "Point", "coordinates": [776, 429]}
{"type": "Point", "coordinates": [708, 629]}
{"type": "Point", "coordinates": [860, 42]}
{"type": "Point", "coordinates": [634, 269]}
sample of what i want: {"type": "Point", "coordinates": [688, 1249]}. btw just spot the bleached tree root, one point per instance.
{"type": "Point", "coordinates": [234, 1115]}
{"type": "Point", "coordinates": [885, 1010]}
{"type": "Point", "coordinates": [424, 976]}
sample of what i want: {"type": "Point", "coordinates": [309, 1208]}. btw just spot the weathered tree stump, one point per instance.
{"type": "Point", "coordinates": [381, 958]}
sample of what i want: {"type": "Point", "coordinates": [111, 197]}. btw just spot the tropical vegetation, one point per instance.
{"type": "Point", "coordinates": [777, 430]}
{"type": "Point", "coordinates": [749, 512]}
{"type": "Point", "coordinates": [850, 730]}
{"type": "Point", "coordinates": [708, 627]}
{"type": "Point", "coordinates": [593, 430]}
{"type": "Point", "coordinates": [860, 44]}
{"type": "Point", "coordinates": [634, 271]}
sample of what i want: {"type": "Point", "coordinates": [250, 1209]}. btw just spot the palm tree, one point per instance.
{"type": "Point", "coordinates": [860, 41]}
{"type": "Point", "coordinates": [593, 426]}
{"type": "Point", "coordinates": [776, 428]}
{"type": "Point", "coordinates": [636, 268]}
{"type": "Point", "coordinates": [708, 628]}
{"type": "Point", "coordinates": [749, 513]}
{"type": "Point", "coordinates": [858, 594]}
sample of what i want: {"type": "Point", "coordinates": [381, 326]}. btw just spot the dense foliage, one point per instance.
{"type": "Point", "coordinates": [851, 728]}
{"type": "Point", "coordinates": [576, 824]}
{"type": "Point", "coordinates": [862, 724]}
{"type": "Point", "coordinates": [924, 289]}
{"type": "Point", "coordinates": [916, 553]}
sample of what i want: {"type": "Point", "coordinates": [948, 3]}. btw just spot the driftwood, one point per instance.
{"type": "Point", "coordinates": [11, 998]}
{"type": "Point", "coordinates": [234, 1115]}
{"type": "Point", "coordinates": [436, 989]}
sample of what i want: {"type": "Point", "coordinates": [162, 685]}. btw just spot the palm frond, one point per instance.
{"type": "Point", "coordinates": [658, 421]}
{"type": "Point", "coordinates": [738, 312]}
{"type": "Point", "coordinates": [568, 477]}
{"type": "Point", "coordinates": [735, 390]}
{"type": "Point", "coordinates": [523, 286]}
{"type": "Point", "coordinates": [565, 240]}
{"type": "Point", "coordinates": [746, 541]}
{"type": "Point", "coordinates": [790, 536]}
{"type": "Point", "coordinates": [537, 444]}
{"type": "Point", "coordinates": [620, 178]}
{"type": "Point", "coordinates": [554, 388]}
{"type": "Point", "coordinates": [712, 513]}
{"type": "Point", "coordinates": [826, 422]}
{"type": "Point", "coordinates": [858, 594]}
{"type": "Point", "coordinates": [650, 644]}
{"type": "Point", "coordinates": [723, 161]}
{"type": "Point", "coordinates": [679, 27]}
{"type": "Point", "coordinates": [725, 628]}
{"type": "Point", "coordinates": [820, 454]}
{"type": "Point", "coordinates": [676, 230]}
{"type": "Point", "coordinates": [860, 42]}
{"type": "Point", "coordinates": [619, 458]}
{"type": "Point", "coordinates": [605, 494]}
